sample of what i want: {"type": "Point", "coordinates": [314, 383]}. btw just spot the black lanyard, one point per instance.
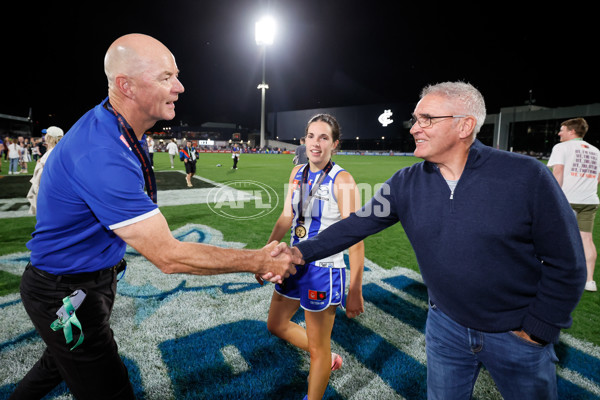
{"type": "Point", "coordinates": [138, 150]}
{"type": "Point", "coordinates": [305, 195]}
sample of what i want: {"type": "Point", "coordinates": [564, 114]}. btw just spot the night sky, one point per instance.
{"type": "Point", "coordinates": [327, 53]}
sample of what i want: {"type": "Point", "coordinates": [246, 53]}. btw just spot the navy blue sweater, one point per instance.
{"type": "Point", "coordinates": [503, 252]}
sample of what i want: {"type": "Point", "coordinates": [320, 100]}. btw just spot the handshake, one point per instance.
{"type": "Point", "coordinates": [280, 262]}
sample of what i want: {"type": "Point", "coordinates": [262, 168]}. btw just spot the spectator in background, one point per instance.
{"type": "Point", "coordinates": [188, 155]}
{"type": "Point", "coordinates": [235, 155]}
{"type": "Point", "coordinates": [35, 150]}
{"type": "Point", "coordinates": [14, 154]}
{"type": "Point", "coordinates": [43, 146]}
{"type": "Point", "coordinates": [301, 157]}
{"type": "Point", "coordinates": [575, 165]}
{"type": "Point", "coordinates": [24, 155]}
{"type": "Point", "coordinates": [53, 135]}
{"type": "Point", "coordinates": [497, 245]}
{"type": "Point", "coordinates": [5, 146]}
{"type": "Point", "coordinates": [172, 150]}
{"type": "Point", "coordinates": [150, 143]}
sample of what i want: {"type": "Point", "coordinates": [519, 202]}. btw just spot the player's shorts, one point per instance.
{"type": "Point", "coordinates": [316, 287]}
{"type": "Point", "coordinates": [586, 213]}
{"type": "Point", "coordinates": [190, 167]}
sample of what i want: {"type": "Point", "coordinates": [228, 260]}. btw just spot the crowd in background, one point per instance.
{"type": "Point", "coordinates": [20, 151]}
{"type": "Point", "coordinates": [161, 146]}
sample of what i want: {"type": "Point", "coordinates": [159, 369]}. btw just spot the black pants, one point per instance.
{"type": "Point", "coordinates": [94, 370]}
{"type": "Point", "coordinates": [235, 161]}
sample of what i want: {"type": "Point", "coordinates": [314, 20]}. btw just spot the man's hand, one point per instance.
{"type": "Point", "coordinates": [279, 263]}
{"type": "Point", "coordinates": [292, 251]}
{"type": "Point", "coordinates": [524, 335]}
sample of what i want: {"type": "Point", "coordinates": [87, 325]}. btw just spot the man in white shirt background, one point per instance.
{"type": "Point", "coordinates": [574, 164]}
{"type": "Point", "coordinates": [172, 150]}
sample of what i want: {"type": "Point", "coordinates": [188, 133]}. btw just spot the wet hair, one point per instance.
{"type": "Point", "coordinates": [336, 131]}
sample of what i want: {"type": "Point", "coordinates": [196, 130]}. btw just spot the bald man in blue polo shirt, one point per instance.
{"type": "Point", "coordinates": [91, 205]}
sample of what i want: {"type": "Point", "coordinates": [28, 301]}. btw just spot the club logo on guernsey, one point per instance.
{"type": "Point", "coordinates": [316, 295]}
{"type": "Point", "coordinates": [322, 193]}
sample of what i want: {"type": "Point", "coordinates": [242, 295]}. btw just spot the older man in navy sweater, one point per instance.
{"type": "Point", "coordinates": [497, 244]}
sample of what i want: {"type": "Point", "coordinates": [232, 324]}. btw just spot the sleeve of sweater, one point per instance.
{"type": "Point", "coordinates": [378, 214]}
{"type": "Point", "coordinates": [558, 246]}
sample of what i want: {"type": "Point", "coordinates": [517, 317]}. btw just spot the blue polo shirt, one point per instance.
{"type": "Point", "coordinates": [92, 184]}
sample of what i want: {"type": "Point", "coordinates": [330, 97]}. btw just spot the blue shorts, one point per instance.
{"type": "Point", "coordinates": [316, 287]}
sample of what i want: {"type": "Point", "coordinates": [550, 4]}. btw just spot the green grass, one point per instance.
{"type": "Point", "coordinates": [388, 249]}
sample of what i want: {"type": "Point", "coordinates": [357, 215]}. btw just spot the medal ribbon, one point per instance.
{"type": "Point", "coordinates": [305, 195]}
{"type": "Point", "coordinates": [136, 147]}
{"type": "Point", "coordinates": [191, 156]}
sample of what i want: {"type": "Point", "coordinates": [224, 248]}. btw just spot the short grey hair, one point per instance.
{"type": "Point", "coordinates": [469, 99]}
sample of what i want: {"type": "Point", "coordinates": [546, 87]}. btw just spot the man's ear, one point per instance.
{"type": "Point", "coordinates": [124, 85]}
{"type": "Point", "coordinates": [467, 126]}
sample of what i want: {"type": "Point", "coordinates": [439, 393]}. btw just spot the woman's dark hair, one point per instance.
{"type": "Point", "coordinates": [330, 120]}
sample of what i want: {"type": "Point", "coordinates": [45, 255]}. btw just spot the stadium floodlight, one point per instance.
{"type": "Point", "coordinates": [264, 35]}
{"type": "Point", "coordinates": [265, 31]}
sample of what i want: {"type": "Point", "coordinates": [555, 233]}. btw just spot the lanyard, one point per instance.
{"type": "Point", "coordinates": [305, 195]}
{"type": "Point", "coordinates": [138, 150]}
{"type": "Point", "coordinates": [191, 155]}
{"type": "Point", "coordinates": [66, 323]}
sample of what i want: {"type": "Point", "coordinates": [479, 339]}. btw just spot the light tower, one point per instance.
{"type": "Point", "coordinates": [264, 34]}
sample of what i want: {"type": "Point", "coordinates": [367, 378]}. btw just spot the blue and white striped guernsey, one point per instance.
{"type": "Point", "coordinates": [322, 210]}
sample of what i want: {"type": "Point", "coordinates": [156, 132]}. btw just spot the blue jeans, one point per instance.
{"type": "Point", "coordinates": [455, 354]}
{"type": "Point", "coordinates": [13, 165]}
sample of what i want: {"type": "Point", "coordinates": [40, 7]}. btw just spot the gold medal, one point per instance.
{"type": "Point", "coordinates": [300, 231]}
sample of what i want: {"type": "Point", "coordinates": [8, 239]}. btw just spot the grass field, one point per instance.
{"type": "Point", "coordinates": [186, 337]}
{"type": "Point", "coordinates": [388, 248]}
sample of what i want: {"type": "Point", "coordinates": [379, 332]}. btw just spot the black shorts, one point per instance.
{"type": "Point", "coordinates": [190, 167]}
